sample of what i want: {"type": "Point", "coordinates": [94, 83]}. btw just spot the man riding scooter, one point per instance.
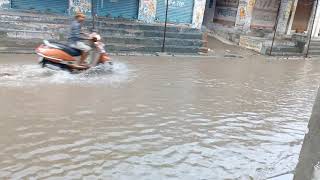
{"type": "Point", "coordinates": [76, 37]}
{"type": "Point", "coordinates": [58, 56]}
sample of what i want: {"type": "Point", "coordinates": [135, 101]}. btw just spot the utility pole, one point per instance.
{"type": "Point", "coordinates": [275, 28]}
{"type": "Point", "coordinates": [165, 27]}
{"type": "Point", "coordinates": [93, 14]}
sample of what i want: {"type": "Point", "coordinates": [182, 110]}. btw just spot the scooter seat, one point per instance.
{"type": "Point", "coordinates": [66, 48]}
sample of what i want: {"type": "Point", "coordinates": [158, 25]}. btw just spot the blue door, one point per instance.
{"type": "Point", "coordinates": [48, 6]}
{"type": "Point", "coordinates": [127, 9]}
{"type": "Point", "coordinates": [180, 11]}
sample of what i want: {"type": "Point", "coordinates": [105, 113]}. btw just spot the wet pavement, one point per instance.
{"type": "Point", "coordinates": [155, 118]}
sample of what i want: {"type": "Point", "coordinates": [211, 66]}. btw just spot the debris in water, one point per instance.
{"type": "Point", "coordinates": [5, 74]}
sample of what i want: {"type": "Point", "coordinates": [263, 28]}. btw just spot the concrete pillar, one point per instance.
{"type": "Point", "coordinates": [313, 19]}
{"type": "Point", "coordinates": [198, 13]}
{"type": "Point", "coordinates": [316, 26]}
{"type": "Point", "coordinates": [244, 14]}
{"type": "Point", "coordinates": [83, 6]}
{"type": "Point", "coordinates": [293, 13]}
{"type": "Point", "coordinates": [309, 161]}
{"type": "Point", "coordinates": [284, 15]}
{"type": "Point", "coordinates": [4, 4]}
{"type": "Point", "coordinates": [209, 12]}
{"type": "Point", "coordinates": [147, 10]}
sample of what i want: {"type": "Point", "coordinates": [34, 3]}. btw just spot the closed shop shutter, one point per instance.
{"type": "Point", "coordinates": [226, 12]}
{"type": "Point", "coordinates": [49, 6]}
{"type": "Point", "coordinates": [180, 11]}
{"type": "Point", "coordinates": [264, 14]}
{"type": "Point", "coordinates": [127, 9]}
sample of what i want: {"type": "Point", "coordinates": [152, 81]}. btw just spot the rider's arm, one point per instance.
{"type": "Point", "coordinates": [85, 36]}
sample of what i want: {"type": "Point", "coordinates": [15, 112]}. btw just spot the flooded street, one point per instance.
{"type": "Point", "coordinates": [155, 118]}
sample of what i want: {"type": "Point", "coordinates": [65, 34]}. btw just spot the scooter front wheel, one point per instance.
{"type": "Point", "coordinates": [54, 66]}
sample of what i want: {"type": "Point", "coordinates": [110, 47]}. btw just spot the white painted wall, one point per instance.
{"type": "Point", "coordinates": [4, 4]}
{"type": "Point", "coordinates": [316, 25]}
{"type": "Point", "coordinates": [198, 13]}
{"type": "Point", "coordinates": [244, 14]}
{"type": "Point", "coordinates": [147, 10]}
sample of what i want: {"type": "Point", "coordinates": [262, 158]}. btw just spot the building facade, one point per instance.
{"type": "Point", "coordinates": [150, 11]}
{"type": "Point", "coordinates": [257, 24]}
{"type": "Point", "coordinates": [286, 16]}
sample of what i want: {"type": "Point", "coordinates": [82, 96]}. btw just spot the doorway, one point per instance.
{"type": "Point", "coordinates": [209, 12]}
{"type": "Point", "coordinates": [302, 16]}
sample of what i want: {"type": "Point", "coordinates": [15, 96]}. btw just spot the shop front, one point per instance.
{"type": "Point", "coordinates": [179, 11]}
{"type": "Point", "coordinates": [46, 6]}
{"type": "Point", "coordinates": [127, 9]}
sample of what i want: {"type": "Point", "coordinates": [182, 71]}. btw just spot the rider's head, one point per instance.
{"type": "Point", "coordinates": [80, 17]}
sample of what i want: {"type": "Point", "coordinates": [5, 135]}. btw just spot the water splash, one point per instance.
{"type": "Point", "coordinates": [316, 172]}
{"type": "Point", "coordinates": [31, 75]}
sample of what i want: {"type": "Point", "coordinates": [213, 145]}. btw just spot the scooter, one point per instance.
{"type": "Point", "coordinates": [59, 56]}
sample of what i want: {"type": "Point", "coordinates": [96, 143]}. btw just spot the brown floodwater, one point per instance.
{"type": "Point", "coordinates": [155, 118]}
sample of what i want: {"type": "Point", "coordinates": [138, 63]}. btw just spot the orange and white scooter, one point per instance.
{"type": "Point", "coordinates": [59, 56]}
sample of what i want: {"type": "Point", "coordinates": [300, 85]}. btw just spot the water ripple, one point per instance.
{"type": "Point", "coordinates": [165, 120]}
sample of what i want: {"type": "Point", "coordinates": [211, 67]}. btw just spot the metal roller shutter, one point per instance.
{"type": "Point", "coordinates": [118, 8]}
{"type": "Point", "coordinates": [180, 11]}
{"type": "Point", "coordinates": [265, 14]}
{"type": "Point", "coordinates": [50, 6]}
